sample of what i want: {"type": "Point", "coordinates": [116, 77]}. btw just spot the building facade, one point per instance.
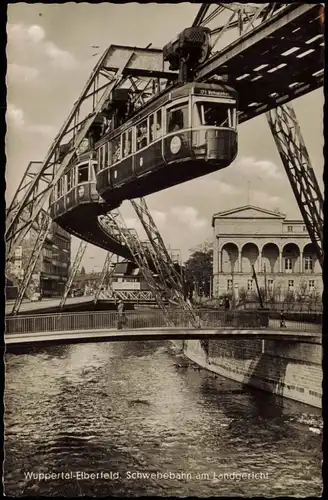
{"type": "Point", "coordinates": [280, 250]}
{"type": "Point", "coordinates": [52, 268]}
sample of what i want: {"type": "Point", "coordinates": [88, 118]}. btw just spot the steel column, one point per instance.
{"type": "Point", "coordinates": [296, 160]}
{"type": "Point", "coordinates": [172, 278]}
{"type": "Point", "coordinates": [76, 265]}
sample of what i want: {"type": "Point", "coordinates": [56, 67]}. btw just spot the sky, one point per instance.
{"type": "Point", "coordinates": [50, 56]}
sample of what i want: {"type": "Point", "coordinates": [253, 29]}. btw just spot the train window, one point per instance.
{"type": "Point", "coordinates": [158, 121]}
{"type": "Point", "coordinates": [142, 135]}
{"type": "Point", "coordinates": [152, 128]}
{"type": "Point", "coordinates": [60, 187]}
{"type": "Point", "coordinates": [127, 143]}
{"type": "Point", "coordinates": [104, 163]}
{"type": "Point", "coordinates": [100, 158]}
{"type": "Point", "coordinates": [177, 118]}
{"type": "Point", "coordinates": [217, 114]}
{"type": "Point", "coordinates": [69, 180]}
{"type": "Point", "coordinates": [82, 173]}
{"type": "Point", "coordinates": [116, 149]}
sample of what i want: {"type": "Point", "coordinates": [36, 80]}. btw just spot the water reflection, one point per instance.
{"type": "Point", "coordinates": [136, 407]}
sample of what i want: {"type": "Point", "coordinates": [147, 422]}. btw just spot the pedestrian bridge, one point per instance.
{"type": "Point", "coordinates": [149, 325]}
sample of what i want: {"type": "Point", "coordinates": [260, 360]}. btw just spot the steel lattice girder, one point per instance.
{"type": "Point", "coordinates": [296, 160]}
{"type": "Point", "coordinates": [107, 271]}
{"type": "Point", "coordinates": [116, 68]}
{"type": "Point", "coordinates": [254, 57]}
{"type": "Point", "coordinates": [115, 220]}
{"type": "Point", "coordinates": [45, 225]}
{"type": "Point", "coordinates": [166, 267]}
{"type": "Point", "coordinates": [76, 265]}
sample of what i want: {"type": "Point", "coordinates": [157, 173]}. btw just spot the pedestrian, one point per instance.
{"type": "Point", "coordinates": [227, 303]}
{"type": "Point", "coordinates": [120, 311]}
{"type": "Point", "coordinates": [282, 320]}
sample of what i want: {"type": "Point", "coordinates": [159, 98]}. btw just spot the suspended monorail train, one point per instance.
{"type": "Point", "coordinates": [184, 133]}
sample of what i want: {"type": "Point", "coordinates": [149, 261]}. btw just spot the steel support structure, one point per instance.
{"type": "Point", "coordinates": [45, 225]}
{"type": "Point", "coordinates": [115, 223]}
{"type": "Point", "coordinates": [233, 20]}
{"type": "Point", "coordinates": [75, 267]}
{"type": "Point", "coordinates": [106, 273]}
{"type": "Point", "coordinates": [167, 271]}
{"type": "Point", "coordinates": [296, 160]}
{"type": "Point", "coordinates": [138, 69]}
{"type": "Point", "coordinates": [236, 28]}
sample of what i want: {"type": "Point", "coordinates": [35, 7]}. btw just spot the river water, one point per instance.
{"type": "Point", "coordinates": [118, 409]}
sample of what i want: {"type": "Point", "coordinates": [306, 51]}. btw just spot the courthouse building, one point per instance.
{"type": "Point", "coordinates": [279, 249]}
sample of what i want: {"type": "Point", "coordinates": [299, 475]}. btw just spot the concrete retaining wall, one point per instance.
{"type": "Point", "coordinates": [289, 369]}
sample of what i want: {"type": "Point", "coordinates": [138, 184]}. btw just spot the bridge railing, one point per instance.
{"type": "Point", "coordinates": [102, 320]}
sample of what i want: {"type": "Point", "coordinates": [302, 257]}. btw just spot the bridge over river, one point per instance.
{"type": "Point", "coordinates": [100, 326]}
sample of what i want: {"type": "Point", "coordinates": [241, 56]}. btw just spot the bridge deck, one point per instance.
{"type": "Point", "coordinates": [135, 334]}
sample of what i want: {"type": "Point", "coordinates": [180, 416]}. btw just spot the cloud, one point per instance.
{"type": "Point", "coordinates": [31, 40]}
{"type": "Point", "coordinates": [266, 168]}
{"type": "Point", "coordinates": [47, 130]}
{"type": "Point", "coordinates": [159, 217]}
{"type": "Point", "coordinates": [16, 117]}
{"type": "Point", "coordinates": [189, 216]}
{"type": "Point", "coordinates": [19, 72]}
{"type": "Point", "coordinates": [264, 200]}
{"type": "Point", "coordinates": [60, 58]}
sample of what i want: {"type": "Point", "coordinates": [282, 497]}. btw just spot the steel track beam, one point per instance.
{"type": "Point", "coordinates": [76, 266]}
{"type": "Point", "coordinates": [296, 160]}
{"type": "Point", "coordinates": [251, 37]}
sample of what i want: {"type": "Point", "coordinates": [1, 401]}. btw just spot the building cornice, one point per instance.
{"type": "Point", "coordinates": [269, 235]}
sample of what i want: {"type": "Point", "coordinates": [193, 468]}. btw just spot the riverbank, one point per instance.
{"type": "Point", "coordinates": [292, 370]}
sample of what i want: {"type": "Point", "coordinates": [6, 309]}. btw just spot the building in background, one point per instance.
{"type": "Point", "coordinates": [280, 250]}
{"type": "Point", "coordinates": [52, 268]}
{"type": "Point", "coordinates": [125, 277]}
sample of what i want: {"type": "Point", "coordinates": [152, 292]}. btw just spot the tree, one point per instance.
{"type": "Point", "coordinates": [199, 267]}
{"type": "Point", "coordinates": [82, 271]}
{"type": "Point", "coordinates": [242, 293]}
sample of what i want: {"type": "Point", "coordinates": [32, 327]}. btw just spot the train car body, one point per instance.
{"type": "Point", "coordinates": [181, 134]}
{"type": "Point", "coordinates": [76, 205]}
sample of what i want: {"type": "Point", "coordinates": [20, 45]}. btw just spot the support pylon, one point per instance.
{"type": "Point", "coordinates": [167, 270]}
{"type": "Point", "coordinates": [115, 223]}
{"type": "Point", "coordinates": [296, 160]}
{"type": "Point", "coordinates": [45, 225]}
{"type": "Point", "coordinates": [76, 266]}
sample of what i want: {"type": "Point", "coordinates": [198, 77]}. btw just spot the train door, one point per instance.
{"type": "Point", "coordinates": [177, 139]}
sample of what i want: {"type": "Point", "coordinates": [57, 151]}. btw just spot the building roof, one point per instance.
{"type": "Point", "coordinates": [248, 212]}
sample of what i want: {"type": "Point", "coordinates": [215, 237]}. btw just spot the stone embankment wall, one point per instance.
{"type": "Point", "coordinates": [289, 369]}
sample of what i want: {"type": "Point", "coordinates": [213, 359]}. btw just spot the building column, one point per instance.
{"type": "Point", "coordinates": [280, 261]}
{"type": "Point", "coordinates": [219, 254]}
{"type": "Point", "coordinates": [239, 261]}
{"type": "Point", "coordinates": [260, 263]}
{"type": "Point", "coordinates": [301, 262]}
{"type": "Point", "coordinates": [216, 265]}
